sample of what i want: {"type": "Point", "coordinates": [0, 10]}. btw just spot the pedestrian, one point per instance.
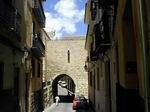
{"type": "Point", "coordinates": [57, 100]}
{"type": "Point", "coordinates": [69, 93]}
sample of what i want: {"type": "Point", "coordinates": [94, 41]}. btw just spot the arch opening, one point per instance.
{"type": "Point", "coordinates": [64, 87]}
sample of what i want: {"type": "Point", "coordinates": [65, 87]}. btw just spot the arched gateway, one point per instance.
{"type": "Point", "coordinates": [66, 58]}
{"type": "Point", "coordinates": [70, 84]}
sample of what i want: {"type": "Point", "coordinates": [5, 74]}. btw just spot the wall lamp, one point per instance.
{"type": "Point", "coordinates": [87, 62]}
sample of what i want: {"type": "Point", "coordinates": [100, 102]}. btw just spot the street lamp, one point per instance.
{"type": "Point", "coordinates": [87, 62]}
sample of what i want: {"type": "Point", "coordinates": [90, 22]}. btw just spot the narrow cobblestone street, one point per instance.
{"type": "Point", "coordinates": [74, 55]}
{"type": "Point", "coordinates": [62, 107]}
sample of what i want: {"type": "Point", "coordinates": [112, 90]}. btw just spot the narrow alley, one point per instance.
{"type": "Point", "coordinates": [74, 56]}
{"type": "Point", "coordinates": [62, 106]}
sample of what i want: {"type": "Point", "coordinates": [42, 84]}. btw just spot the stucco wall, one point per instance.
{"type": "Point", "coordinates": [11, 58]}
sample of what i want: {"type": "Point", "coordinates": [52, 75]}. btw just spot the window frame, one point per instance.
{"type": "Point", "coordinates": [1, 75]}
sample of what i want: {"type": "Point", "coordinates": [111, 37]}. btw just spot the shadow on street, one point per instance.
{"type": "Point", "coordinates": [65, 99]}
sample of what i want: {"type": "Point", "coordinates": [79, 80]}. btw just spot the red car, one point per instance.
{"type": "Point", "coordinates": [80, 102]}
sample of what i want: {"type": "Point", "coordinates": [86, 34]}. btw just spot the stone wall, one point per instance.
{"type": "Point", "coordinates": [57, 61]}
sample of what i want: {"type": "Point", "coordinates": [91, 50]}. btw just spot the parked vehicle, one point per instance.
{"type": "Point", "coordinates": [80, 102]}
{"type": "Point", "coordinates": [62, 84]}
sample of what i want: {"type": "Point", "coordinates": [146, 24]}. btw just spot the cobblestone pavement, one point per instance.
{"type": "Point", "coordinates": [62, 107]}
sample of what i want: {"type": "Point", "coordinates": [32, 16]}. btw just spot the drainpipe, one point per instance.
{"type": "Point", "coordinates": [145, 52]}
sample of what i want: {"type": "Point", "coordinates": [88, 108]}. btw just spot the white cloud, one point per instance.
{"type": "Point", "coordinates": [65, 18]}
{"type": "Point", "coordinates": [66, 8]}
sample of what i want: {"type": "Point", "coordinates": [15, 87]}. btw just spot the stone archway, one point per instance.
{"type": "Point", "coordinates": [58, 64]}
{"type": "Point", "coordinates": [70, 87]}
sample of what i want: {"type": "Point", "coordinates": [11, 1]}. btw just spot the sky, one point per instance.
{"type": "Point", "coordinates": [65, 17]}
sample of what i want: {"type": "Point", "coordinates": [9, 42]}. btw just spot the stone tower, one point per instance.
{"type": "Point", "coordinates": [67, 56]}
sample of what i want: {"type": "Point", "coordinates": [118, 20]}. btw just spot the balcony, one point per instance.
{"type": "Point", "coordinates": [38, 48]}
{"type": "Point", "coordinates": [93, 9]}
{"type": "Point", "coordinates": [102, 33]}
{"type": "Point", "coordinates": [39, 12]}
{"type": "Point", "coordinates": [102, 37]}
{"type": "Point", "coordinates": [94, 56]}
{"type": "Point", "coordinates": [10, 20]}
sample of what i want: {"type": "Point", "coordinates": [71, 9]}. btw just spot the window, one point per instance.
{"type": "Point", "coordinates": [33, 28]}
{"type": "Point", "coordinates": [39, 69]}
{"type": "Point", "coordinates": [33, 68]}
{"type": "Point", "coordinates": [101, 70]}
{"type": "Point", "coordinates": [94, 80]}
{"type": "Point", "coordinates": [98, 78]}
{"type": "Point", "coordinates": [68, 56]}
{"type": "Point", "coordinates": [103, 85]}
{"type": "Point", "coordinates": [16, 81]}
{"type": "Point", "coordinates": [90, 78]}
{"type": "Point", "coordinates": [1, 75]}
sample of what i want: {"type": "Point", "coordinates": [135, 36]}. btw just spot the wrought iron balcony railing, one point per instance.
{"type": "Point", "coordinates": [39, 12]}
{"type": "Point", "coordinates": [102, 32]}
{"type": "Point", "coordinates": [38, 47]}
{"type": "Point", "coordinates": [102, 36]}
